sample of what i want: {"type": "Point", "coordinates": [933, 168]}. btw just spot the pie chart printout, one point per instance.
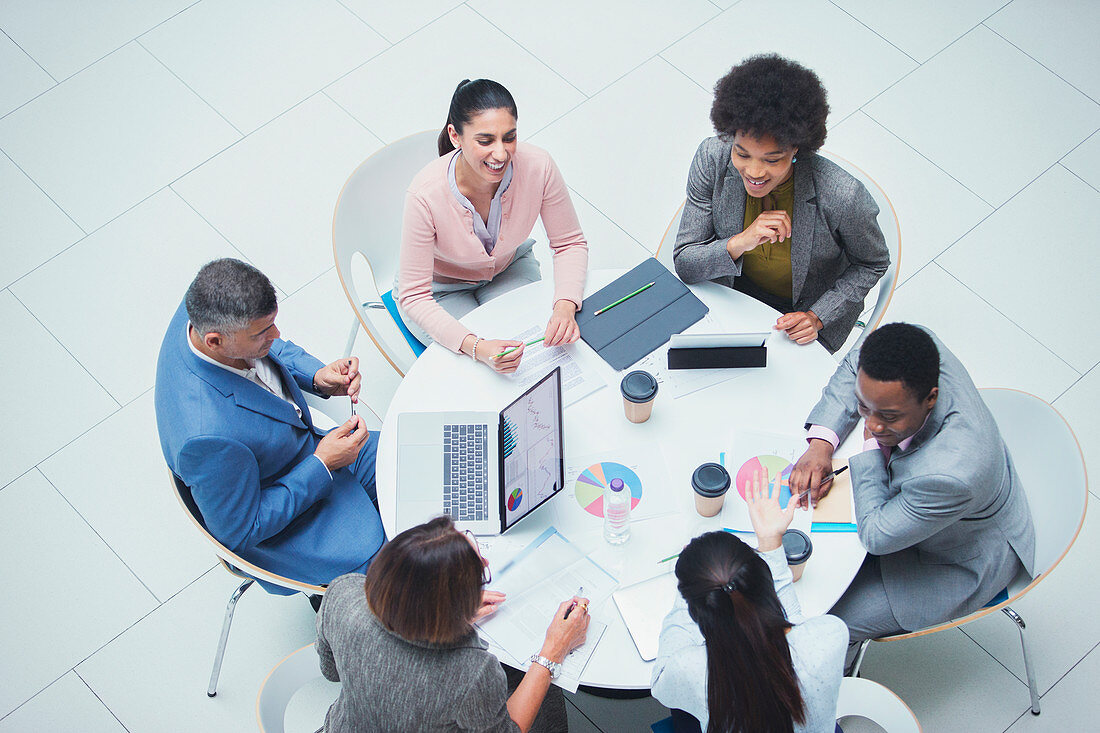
{"type": "Point", "coordinates": [514, 499]}
{"type": "Point", "coordinates": [594, 479]}
{"type": "Point", "coordinates": [776, 467]}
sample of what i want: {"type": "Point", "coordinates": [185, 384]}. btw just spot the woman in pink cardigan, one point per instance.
{"type": "Point", "coordinates": [468, 218]}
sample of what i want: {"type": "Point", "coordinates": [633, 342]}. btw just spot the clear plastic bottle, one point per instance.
{"type": "Point", "coordinates": [616, 512]}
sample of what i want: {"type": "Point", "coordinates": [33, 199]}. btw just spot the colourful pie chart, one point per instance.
{"type": "Point", "coordinates": [594, 479]}
{"type": "Point", "coordinates": [515, 498]}
{"type": "Point", "coordinates": [776, 467]}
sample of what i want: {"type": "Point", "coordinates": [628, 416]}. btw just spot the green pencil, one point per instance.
{"type": "Point", "coordinates": [625, 297]}
{"type": "Point", "coordinates": [506, 352]}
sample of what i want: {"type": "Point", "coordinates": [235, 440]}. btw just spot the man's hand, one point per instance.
{"type": "Point", "coordinates": [801, 326]}
{"type": "Point", "coordinates": [340, 378]}
{"type": "Point", "coordinates": [807, 473]}
{"type": "Point", "coordinates": [562, 327]}
{"type": "Point", "coordinates": [341, 445]}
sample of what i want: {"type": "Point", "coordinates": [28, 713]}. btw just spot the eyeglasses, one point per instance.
{"type": "Point", "coordinates": [484, 563]}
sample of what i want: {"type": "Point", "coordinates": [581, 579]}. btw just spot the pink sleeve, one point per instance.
{"type": "Point", "coordinates": [415, 273]}
{"type": "Point", "coordinates": [823, 433]}
{"type": "Point", "coordinates": [567, 241]}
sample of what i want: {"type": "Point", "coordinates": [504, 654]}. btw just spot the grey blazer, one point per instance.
{"type": "Point", "coordinates": [947, 515]}
{"type": "Point", "coordinates": [838, 252]}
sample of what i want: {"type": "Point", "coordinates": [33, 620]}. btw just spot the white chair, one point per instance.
{"type": "Point", "coordinates": [366, 242]}
{"type": "Point", "coordinates": [290, 675]}
{"type": "Point", "coordinates": [891, 230]}
{"type": "Point", "coordinates": [1051, 467]}
{"type": "Point", "coordinates": [866, 699]}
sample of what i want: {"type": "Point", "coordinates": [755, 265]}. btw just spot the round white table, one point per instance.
{"type": "Point", "coordinates": [692, 429]}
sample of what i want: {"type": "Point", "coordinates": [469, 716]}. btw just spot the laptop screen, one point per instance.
{"type": "Point", "coordinates": [531, 449]}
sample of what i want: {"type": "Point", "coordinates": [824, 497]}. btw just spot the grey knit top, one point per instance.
{"type": "Point", "coordinates": [393, 684]}
{"type": "Point", "coordinates": [817, 652]}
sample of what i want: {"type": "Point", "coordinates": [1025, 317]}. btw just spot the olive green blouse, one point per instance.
{"type": "Point", "coordinates": [769, 265]}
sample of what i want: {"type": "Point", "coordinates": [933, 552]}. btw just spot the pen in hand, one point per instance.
{"type": "Point", "coordinates": [824, 480]}
{"type": "Point", "coordinates": [352, 399]}
{"type": "Point", "coordinates": [574, 604]}
{"type": "Point", "coordinates": [506, 352]}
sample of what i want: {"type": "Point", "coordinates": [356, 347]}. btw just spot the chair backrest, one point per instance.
{"type": "Point", "coordinates": [891, 231]}
{"type": "Point", "coordinates": [863, 698]}
{"type": "Point", "coordinates": [290, 675]}
{"type": "Point", "coordinates": [1051, 467]}
{"type": "Point", "coordinates": [366, 236]}
{"type": "Point", "coordinates": [888, 220]}
{"type": "Point", "coordinates": [233, 562]}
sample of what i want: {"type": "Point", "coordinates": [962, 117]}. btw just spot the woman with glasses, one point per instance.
{"type": "Point", "coordinates": [768, 216]}
{"type": "Point", "coordinates": [736, 654]}
{"type": "Point", "coordinates": [402, 643]}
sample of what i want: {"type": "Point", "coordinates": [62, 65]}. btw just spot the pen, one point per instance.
{"type": "Point", "coordinates": [625, 297]}
{"type": "Point", "coordinates": [824, 480]}
{"type": "Point", "coordinates": [506, 352]}
{"type": "Point", "coordinates": [571, 607]}
{"type": "Point", "coordinates": [353, 401]}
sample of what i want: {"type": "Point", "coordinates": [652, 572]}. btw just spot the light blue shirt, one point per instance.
{"type": "Point", "coordinates": [486, 231]}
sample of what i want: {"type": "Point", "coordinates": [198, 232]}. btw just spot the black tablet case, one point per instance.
{"type": "Point", "coordinates": [637, 326]}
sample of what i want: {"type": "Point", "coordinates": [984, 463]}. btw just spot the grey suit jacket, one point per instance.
{"type": "Point", "coordinates": [838, 252]}
{"type": "Point", "coordinates": [947, 515]}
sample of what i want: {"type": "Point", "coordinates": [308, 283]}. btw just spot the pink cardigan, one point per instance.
{"type": "Point", "coordinates": [438, 241]}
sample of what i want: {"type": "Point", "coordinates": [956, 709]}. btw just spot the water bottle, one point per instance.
{"type": "Point", "coordinates": [616, 512]}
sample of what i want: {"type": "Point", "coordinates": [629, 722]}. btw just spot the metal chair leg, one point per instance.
{"type": "Point", "coordinates": [212, 689]}
{"type": "Point", "coordinates": [1031, 686]}
{"type": "Point", "coordinates": [859, 658]}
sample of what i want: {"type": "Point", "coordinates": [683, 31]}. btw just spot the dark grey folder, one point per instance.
{"type": "Point", "coordinates": [637, 326]}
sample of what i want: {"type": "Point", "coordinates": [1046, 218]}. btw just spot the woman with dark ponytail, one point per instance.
{"type": "Point", "coordinates": [735, 652]}
{"type": "Point", "coordinates": [468, 219]}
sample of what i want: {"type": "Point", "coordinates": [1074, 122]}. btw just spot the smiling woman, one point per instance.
{"type": "Point", "coordinates": [468, 219]}
{"type": "Point", "coordinates": [767, 216]}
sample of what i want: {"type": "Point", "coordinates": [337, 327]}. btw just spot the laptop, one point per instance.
{"type": "Point", "coordinates": [487, 470]}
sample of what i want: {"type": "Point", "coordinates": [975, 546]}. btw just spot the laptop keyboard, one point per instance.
{"type": "Point", "coordinates": [465, 472]}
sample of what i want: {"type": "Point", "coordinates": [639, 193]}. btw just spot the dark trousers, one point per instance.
{"type": "Point", "coordinates": [551, 717]}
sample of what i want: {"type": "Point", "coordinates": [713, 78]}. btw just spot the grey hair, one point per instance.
{"type": "Point", "coordinates": [227, 295]}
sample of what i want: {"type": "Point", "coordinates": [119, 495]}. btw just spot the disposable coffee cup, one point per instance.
{"type": "Point", "coordinates": [798, 548]}
{"type": "Point", "coordinates": [711, 481]}
{"type": "Point", "coordinates": [639, 389]}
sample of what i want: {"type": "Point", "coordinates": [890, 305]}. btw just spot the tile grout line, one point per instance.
{"type": "Point", "coordinates": [1007, 318]}
{"type": "Point", "coordinates": [353, 117]}
{"type": "Point", "coordinates": [1079, 178]}
{"type": "Point", "coordinates": [931, 162]}
{"type": "Point", "coordinates": [872, 30]}
{"type": "Point", "coordinates": [1067, 82]}
{"type": "Point", "coordinates": [528, 51]}
{"type": "Point", "coordinates": [9, 483]}
{"type": "Point", "coordinates": [684, 73]}
{"type": "Point", "coordinates": [1075, 383]}
{"type": "Point", "coordinates": [50, 198]}
{"type": "Point", "coordinates": [66, 349]}
{"type": "Point", "coordinates": [101, 702]}
{"type": "Point", "coordinates": [998, 661]}
{"type": "Point", "coordinates": [362, 20]}
{"type": "Point", "coordinates": [32, 58]}
{"type": "Point", "coordinates": [188, 87]}
{"type": "Point", "coordinates": [97, 534]}
{"type": "Point", "coordinates": [629, 236]}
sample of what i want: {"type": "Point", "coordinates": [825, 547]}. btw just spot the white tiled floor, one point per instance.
{"type": "Point", "coordinates": [142, 138]}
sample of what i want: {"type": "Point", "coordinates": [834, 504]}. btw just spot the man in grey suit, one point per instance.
{"type": "Point", "coordinates": [938, 502]}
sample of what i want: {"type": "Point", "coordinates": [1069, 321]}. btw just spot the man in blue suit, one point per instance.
{"type": "Point", "coordinates": [235, 428]}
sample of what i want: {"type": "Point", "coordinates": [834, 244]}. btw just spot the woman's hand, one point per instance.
{"type": "Point", "coordinates": [490, 602]}
{"type": "Point", "coordinates": [562, 327]}
{"type": "Point", "coordinates": [768, 520]}
{"type": "Point", "coordinates": [487, 350]}
{"type": "Point", "coordinates": [770, 226]}
{"type": "Point", "coordinates": [801, 326]}
{"type": "Point", "coordinates": [567, 630]}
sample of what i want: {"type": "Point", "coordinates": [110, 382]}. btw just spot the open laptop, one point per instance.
{"type": "Point", "coordinates": [487, 470]}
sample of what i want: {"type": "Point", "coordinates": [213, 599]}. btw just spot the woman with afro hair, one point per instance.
{"type": "Point", "coordinates": [768, 216]}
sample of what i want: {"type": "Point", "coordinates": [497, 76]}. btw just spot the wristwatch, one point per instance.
{"type": "Point", "coordinates": [553, 667]}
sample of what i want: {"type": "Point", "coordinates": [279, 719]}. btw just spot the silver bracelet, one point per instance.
{"type": "Point", "coordinates": [477, 340]}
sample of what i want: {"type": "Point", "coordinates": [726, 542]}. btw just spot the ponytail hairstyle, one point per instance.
{"type": "Point", "coordinates": [471, 98]}
{"type": "Point", "coordinates": [730, 594]}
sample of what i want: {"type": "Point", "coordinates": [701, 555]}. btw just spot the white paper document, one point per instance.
{"type": "Point", "coordinates": [753, 452]}
{"type": "Point", "coordinates": [578, 377]}
{"type": "Point", "coordinates": [547, 572]}
{"type": "Point", "coordinates": [645, 474]}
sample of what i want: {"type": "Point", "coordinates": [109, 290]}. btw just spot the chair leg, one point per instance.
{"type": "Point", "coordinates": [859, 658]}
{"type": "Point", "coordinates": [1031, 686]}
{"type": "Point", "coordinates": [212, 689]}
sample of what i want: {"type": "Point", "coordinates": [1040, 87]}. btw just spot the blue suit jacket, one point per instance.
{"type": "Point", "coordinates": [248, 459]}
